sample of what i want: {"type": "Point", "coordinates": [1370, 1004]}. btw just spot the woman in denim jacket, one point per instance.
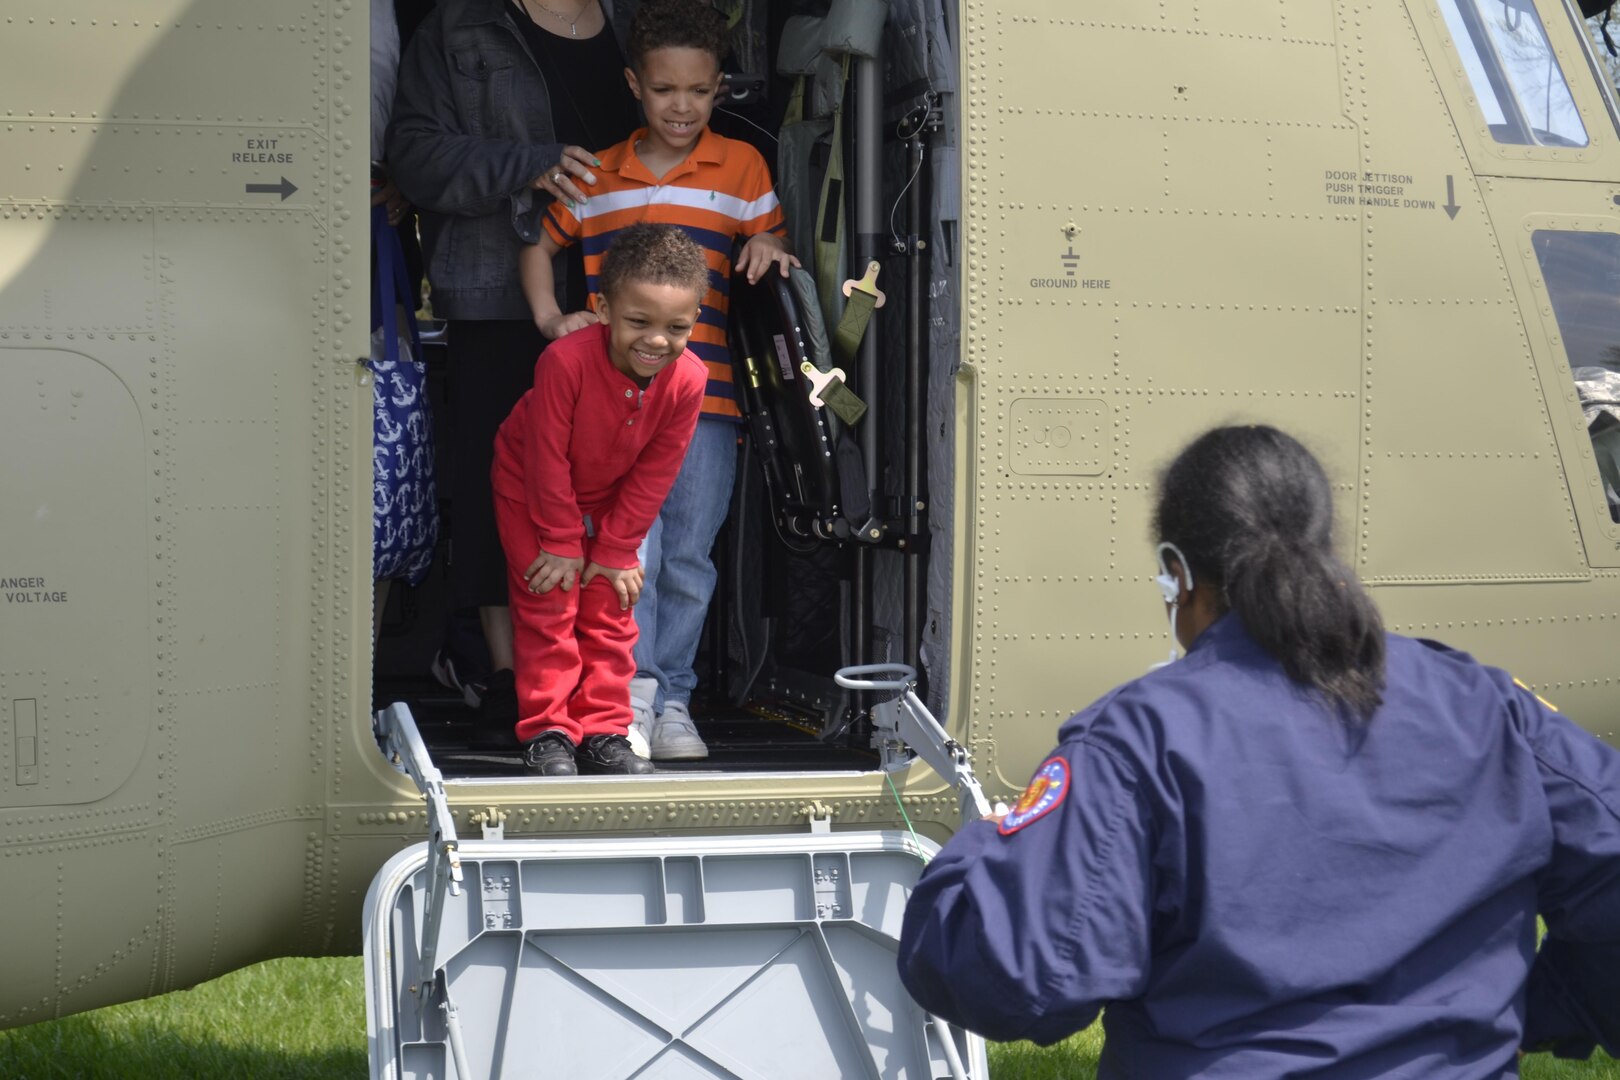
{"type": "Point", "coordinates": [500, 107]}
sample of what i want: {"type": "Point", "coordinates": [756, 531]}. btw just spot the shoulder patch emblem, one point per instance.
{"type": "Point", "coordinates": [1044, 794]}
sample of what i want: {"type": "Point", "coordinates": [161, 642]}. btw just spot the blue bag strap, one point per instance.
{"type": "Point", "coordinates": [390, 282]}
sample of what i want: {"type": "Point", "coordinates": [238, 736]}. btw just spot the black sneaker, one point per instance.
{"type": "Point", "coordinates": [610, 754]}
{"type": "Point", "coordinates": [500, 704]}
{"type": "Point", "coordinates": [552, 754]}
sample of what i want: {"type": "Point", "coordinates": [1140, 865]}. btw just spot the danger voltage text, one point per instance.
{"type": "Point", "coordinates": [30, 590]}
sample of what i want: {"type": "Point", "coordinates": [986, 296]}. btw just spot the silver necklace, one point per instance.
{"type": "Point", "coordinates": [573, 28]}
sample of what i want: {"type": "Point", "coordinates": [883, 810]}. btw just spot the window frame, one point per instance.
{"type": "Point", "coordinates": [1599, 531]}
{"type": "Point", "coordinates": [1499, 75]}
{"type": "Point", "coordinates": [1597, 104]}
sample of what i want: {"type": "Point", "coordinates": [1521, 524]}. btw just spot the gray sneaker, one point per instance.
{"type": "Point", "coordinates": [642, 692]}
{"type": "Point", "coordinates": [675, 737]}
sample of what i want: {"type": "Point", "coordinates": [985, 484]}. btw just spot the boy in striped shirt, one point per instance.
{"type": "Point", "coordinates": [718, 191]}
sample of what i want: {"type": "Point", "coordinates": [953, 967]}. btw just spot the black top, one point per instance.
{"type": "Point", "coordinates": [591, 106]}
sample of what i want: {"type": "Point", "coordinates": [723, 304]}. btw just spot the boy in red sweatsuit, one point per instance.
{"type": "Point", "coordinates": [582, 466]}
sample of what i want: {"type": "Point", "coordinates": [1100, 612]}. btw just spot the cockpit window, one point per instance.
{"type": "Point", "coordinates": [1515, 75]}
{"type": "Point", "coordinates": [1582, 272]}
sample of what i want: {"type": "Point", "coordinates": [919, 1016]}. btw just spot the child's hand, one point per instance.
{"type": "Point", "coordinates": [548, 571]}
{"type": "Point", "coordinates": [626, 582]}
{"type": "Point", "coordinates": [559, 326]}
{"type": "Point", "coordinates": [761, 252]}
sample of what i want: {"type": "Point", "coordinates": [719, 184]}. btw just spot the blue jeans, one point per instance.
{"type": "Point", "coordinates": [675, 559]}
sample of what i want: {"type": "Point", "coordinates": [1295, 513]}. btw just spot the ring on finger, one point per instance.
{"type": "Point", "coordinates": [556, 177]}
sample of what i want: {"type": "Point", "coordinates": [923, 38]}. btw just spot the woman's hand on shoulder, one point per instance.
{"type": "Point", "coordinates": [560, 326]}
{"type": "Point", "coordinates": [562, 181]}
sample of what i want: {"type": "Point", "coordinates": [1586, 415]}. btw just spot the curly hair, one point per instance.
{"type": "Point", "coordinates": [657, 254]}
{"type": "Point", "coordinates": [676, 24]}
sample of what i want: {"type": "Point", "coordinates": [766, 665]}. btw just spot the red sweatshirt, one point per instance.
{"type": "Point", "coordinates": [588, 444]}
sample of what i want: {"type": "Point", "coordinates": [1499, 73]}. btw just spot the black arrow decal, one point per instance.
{"type": "Point", "coordinates": [285, 188]}
{"type": "Point", "coordinates": [1451, 206]}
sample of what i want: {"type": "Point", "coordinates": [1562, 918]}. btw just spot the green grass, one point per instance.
{"type": "Point", "coordinates": [284, 1020]}
{"type": "Point", "coordinates": [305, 1020]}
{"type": "Point", "coordinates": [1075, 1058]}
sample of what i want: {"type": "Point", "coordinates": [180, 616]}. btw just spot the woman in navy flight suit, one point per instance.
{"type": "Point", "coordinates": [1309, 849]}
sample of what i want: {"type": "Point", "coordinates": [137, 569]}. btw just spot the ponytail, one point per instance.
{"type": "Point", "coordinates": [1306, 609]}
{"type": "Point", "coordinates": [1253, 511]}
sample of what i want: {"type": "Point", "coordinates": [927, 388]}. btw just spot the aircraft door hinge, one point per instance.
{"type": "Point", "coordinates": [820, 815]}
{"type": "Point", "coordinates": [492, 821]}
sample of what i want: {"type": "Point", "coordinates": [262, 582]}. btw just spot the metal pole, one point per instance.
{"type": "Point", "coordinates": [947, 1043]}
{"type": "Point", "coordinates": [916, 320]}
{"type": "Point", "coordinates": [868, 235]}
{"type": "Point", "coordinates": [868, 215]}
{"type": "Point", "coordinates": [458, 1045]}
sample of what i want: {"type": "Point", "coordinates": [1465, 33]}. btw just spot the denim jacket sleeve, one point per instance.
{"type": "Point", "coordinates": [437, 155]}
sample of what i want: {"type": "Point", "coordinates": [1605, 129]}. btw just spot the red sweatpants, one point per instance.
{"type": "Point", "coordinates": [573, 649]}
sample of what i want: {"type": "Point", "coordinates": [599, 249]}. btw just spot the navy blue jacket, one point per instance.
{"type": "Point", "coordinates": [1257, 888]}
